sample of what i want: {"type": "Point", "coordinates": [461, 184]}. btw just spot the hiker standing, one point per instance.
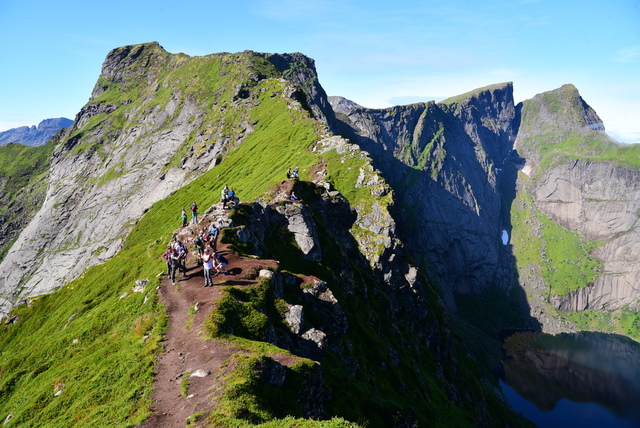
{"type": "Point", "coordinates": [184, 218]}
{"type": "Point", "coordinates": [167, 258]}
{"type": "Point", "coordinates": [194, 213]}
{"type": "Point", "coordinates": [199, 243]}
{"type": "Point", "coordinates": [207, 262]}
{"type": "Point", "coordinates": [214, 231]}
{"type": "Point", "coordinates": [175, 265]}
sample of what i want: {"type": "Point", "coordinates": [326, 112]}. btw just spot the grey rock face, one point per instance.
{"type": "Point", "coordinates": [294, 317]}
{"type": "Point", "coordinates": [600, 202]}
{"type": "Point", "coordinates": [299, 224]}
{"type": "Point", "coordinates": [442, 162]}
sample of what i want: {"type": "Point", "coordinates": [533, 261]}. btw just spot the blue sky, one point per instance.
{"type": "Point", "coordinates": [376, 53]}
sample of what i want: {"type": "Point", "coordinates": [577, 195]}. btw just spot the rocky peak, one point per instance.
{"type": "Point", "coordinates": [444, 158]}
{"type": "Point", "coordinates": [550, 116]}
{"type": "Point", "coordinates": [489, 117]}
{"type": "Point", "coordinates": [128, 62]}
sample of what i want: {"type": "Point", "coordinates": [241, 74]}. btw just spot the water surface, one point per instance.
{"type": "Point", "coordinates": [583, 379]}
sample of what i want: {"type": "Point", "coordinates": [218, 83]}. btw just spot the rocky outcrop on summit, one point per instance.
{"type": "Point", "coordinates": [304, 77]}
{"type": "Point", "coordinates": [32, 135]}
{"type": "Point", "coordinates": [147, 130]}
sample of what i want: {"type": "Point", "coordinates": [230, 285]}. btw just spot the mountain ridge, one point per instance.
{"type": "Point", "coordinates": [34, 135]}
{"type": "Point", "coordinates": [403, 221]}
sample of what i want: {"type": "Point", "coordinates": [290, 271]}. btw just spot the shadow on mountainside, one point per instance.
{"type": "Point", "coordinates": [450, 216]}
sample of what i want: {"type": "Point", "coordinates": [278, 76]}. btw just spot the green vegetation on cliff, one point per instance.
{"type": "Point", "coordinates": [561, 256]}
{"type": "Point", "coordinates": [559, 133]}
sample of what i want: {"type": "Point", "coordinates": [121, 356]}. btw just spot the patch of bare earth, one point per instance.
{"type": "Point", "coordinates": [186, 350]}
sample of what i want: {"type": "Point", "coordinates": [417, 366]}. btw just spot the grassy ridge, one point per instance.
{"type": "Point", "coordinates": [86, 341]}
{"type": "Point", "coordinates": [99, 349]}
{"type": "Point", "coordinates": [85, 355]}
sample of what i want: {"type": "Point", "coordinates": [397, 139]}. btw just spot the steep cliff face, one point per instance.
{"type": "Point", "coordinates": [148, 129]}
{"type": "Point", "coordinates": [445, 161]}
{"type": "Point", "coordinates": [589, 185]}
{"type": "Point", "coordinates": [454, 167]}
{"type": "Point", "coordinates": [23, 185]}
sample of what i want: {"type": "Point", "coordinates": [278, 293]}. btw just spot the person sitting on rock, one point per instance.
{"type": "Point", "coordinates": [220, 263]}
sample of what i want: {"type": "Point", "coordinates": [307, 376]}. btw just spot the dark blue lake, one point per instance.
{"type": "Point", "coordinates": [583, 379]}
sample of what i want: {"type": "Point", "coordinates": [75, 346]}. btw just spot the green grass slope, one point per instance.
{"type": "Point", "coordinates": [98, 347]}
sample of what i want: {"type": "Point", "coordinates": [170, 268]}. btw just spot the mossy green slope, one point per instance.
{"type": "Point", "coordinates": [99, 348]}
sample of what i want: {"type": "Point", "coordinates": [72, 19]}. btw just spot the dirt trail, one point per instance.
{"type": "Point", "coordinates": [185, 349]}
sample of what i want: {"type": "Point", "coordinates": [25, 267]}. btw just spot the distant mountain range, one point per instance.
{"type": "Point", "coordinates": [32, 135]}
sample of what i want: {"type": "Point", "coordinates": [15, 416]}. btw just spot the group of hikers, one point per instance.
{"type": "Point", "coordinates": [205, 244]}
{"type": "Point", "coordinates": [206, 240]}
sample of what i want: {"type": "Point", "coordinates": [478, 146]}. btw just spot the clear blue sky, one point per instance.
{"type": "Point", "coordinates": [376, 53]}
